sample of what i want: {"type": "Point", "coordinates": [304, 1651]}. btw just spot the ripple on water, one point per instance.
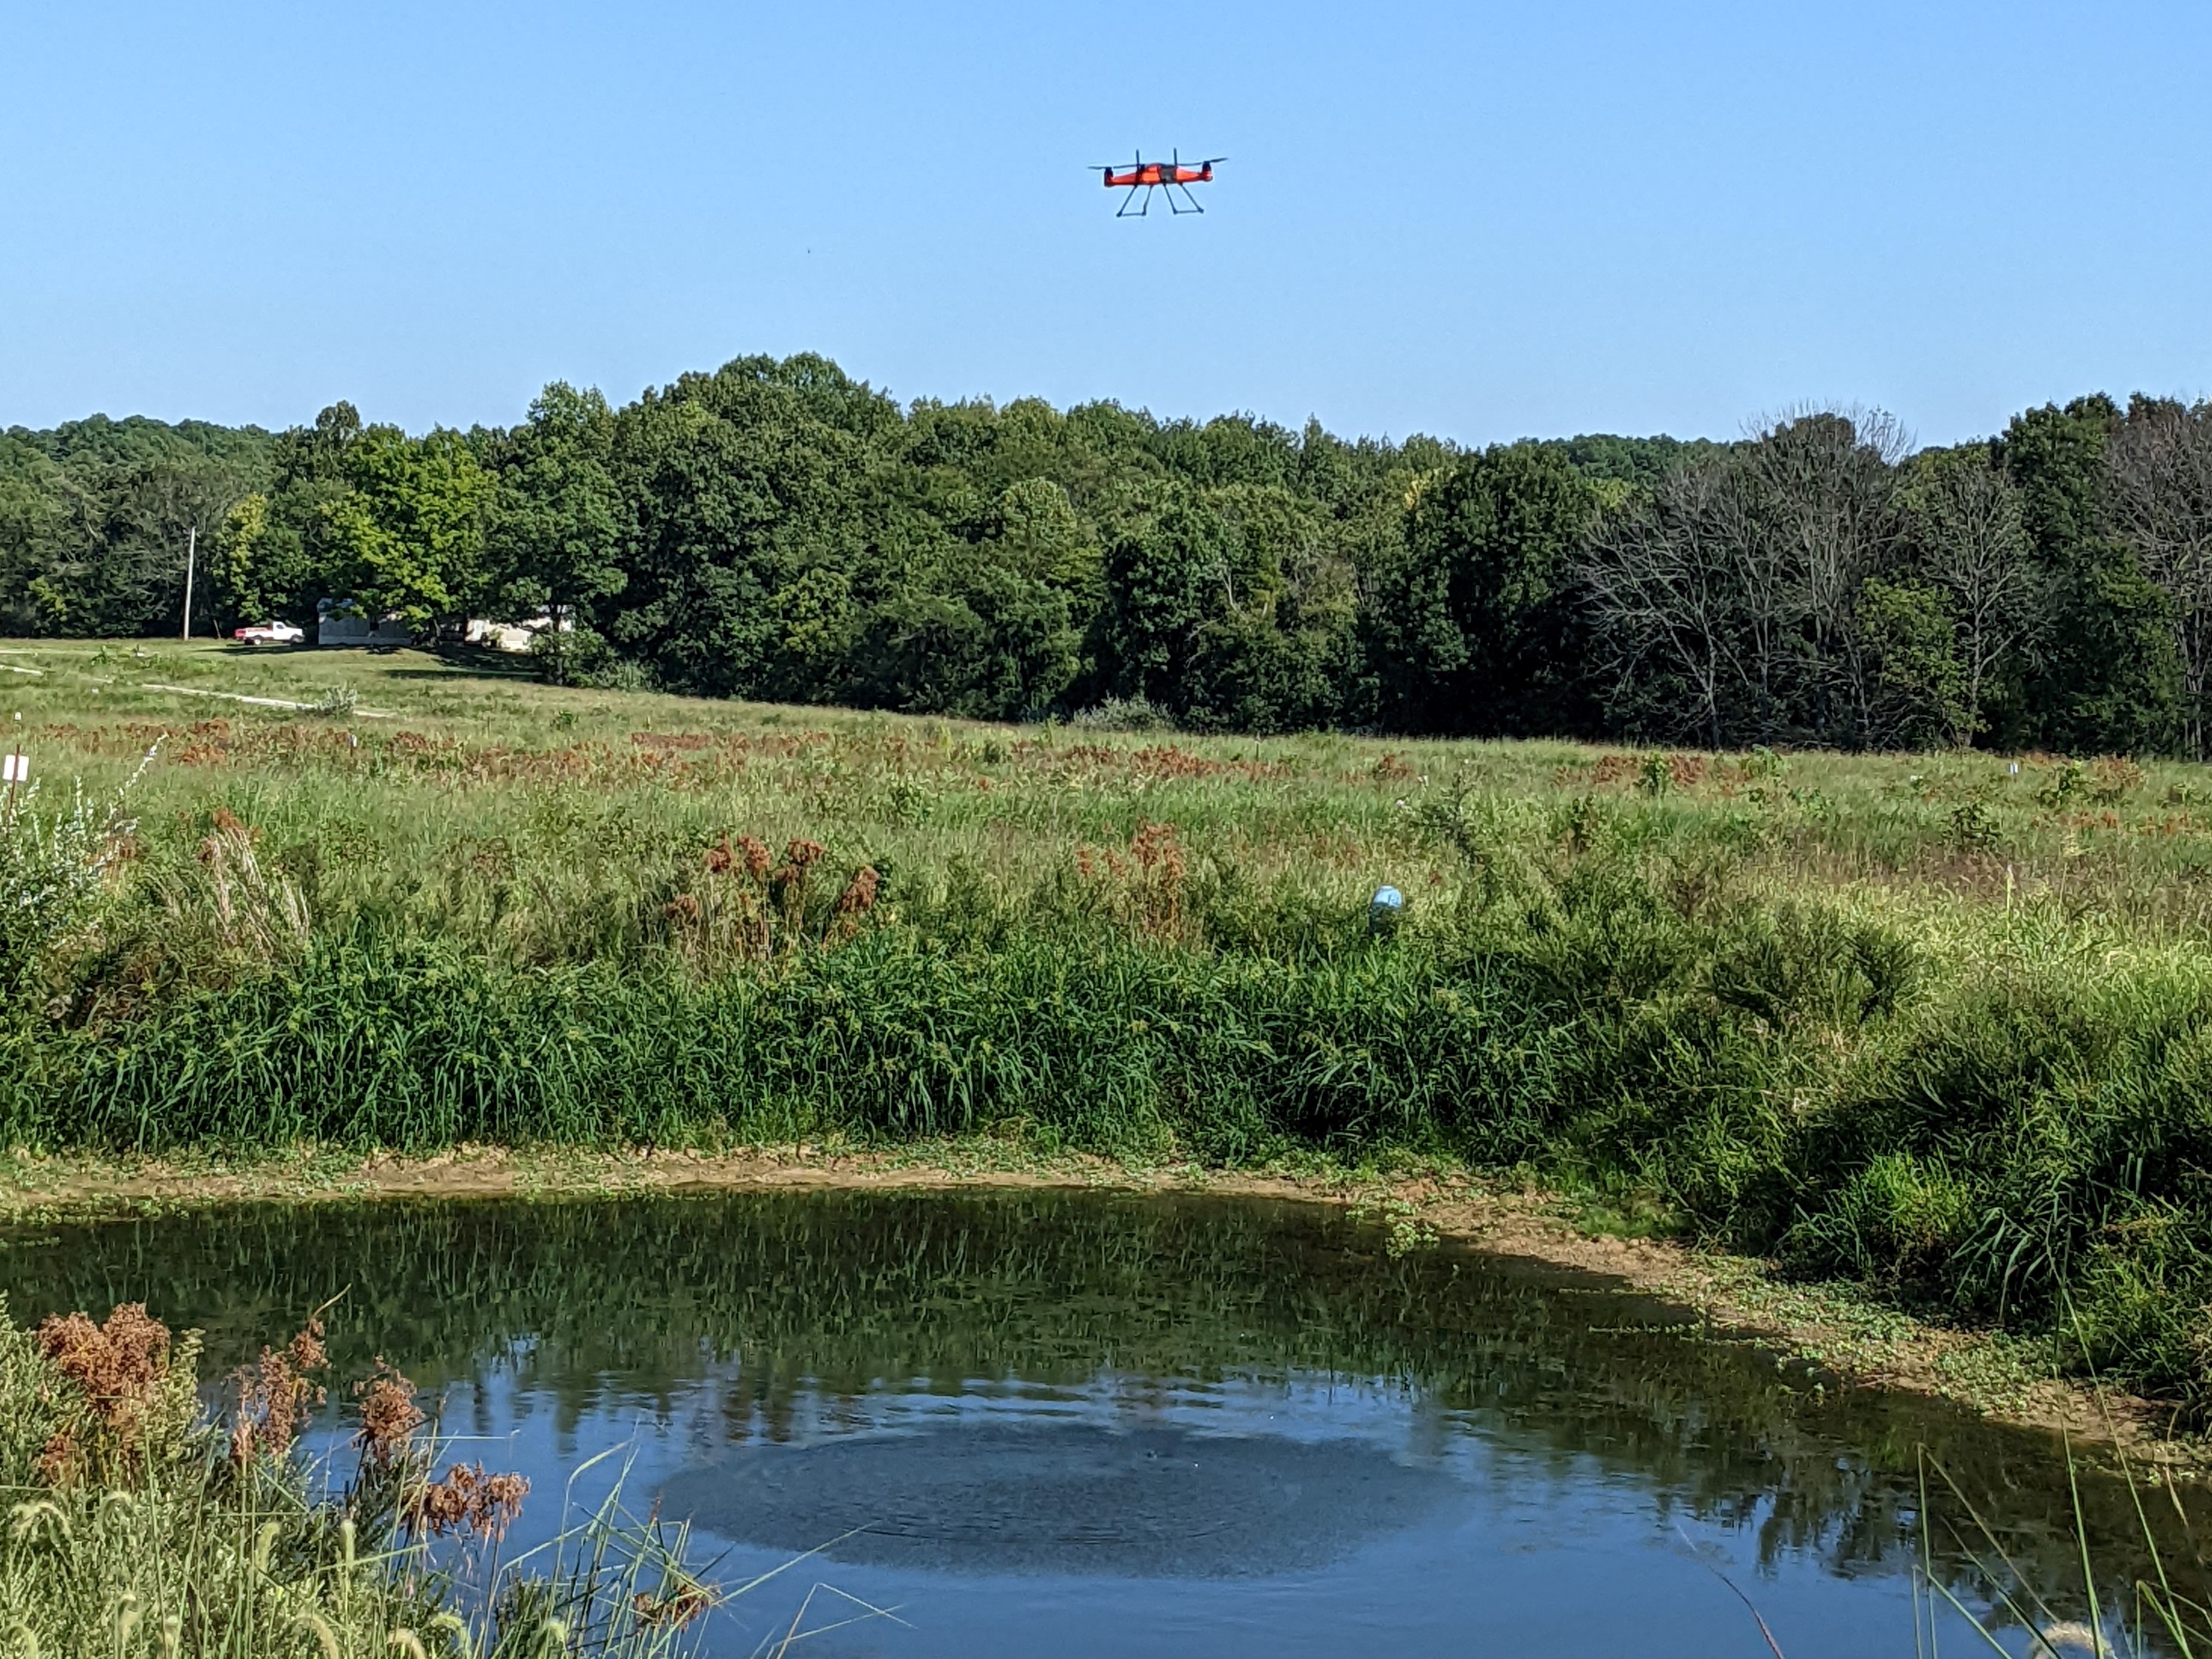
{"type": "Point", "coordinates": [1063, 1498]}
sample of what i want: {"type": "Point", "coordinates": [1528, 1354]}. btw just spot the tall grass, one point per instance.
{"type": "Point", "coordinates": [1928, 1021]}
{"type": "Point", "coordinates": [135, 1526]}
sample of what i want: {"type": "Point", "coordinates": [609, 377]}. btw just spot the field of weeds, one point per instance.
{"type": "Point", "coordinates": [1942, 1024]}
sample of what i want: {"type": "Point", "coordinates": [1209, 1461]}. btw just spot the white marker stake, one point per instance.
{"type": "Point", "coordinates": [15, 768]}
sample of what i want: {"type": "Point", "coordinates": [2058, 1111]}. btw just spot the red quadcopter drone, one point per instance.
{"type": "Point", "coordinates": [1170, 175]}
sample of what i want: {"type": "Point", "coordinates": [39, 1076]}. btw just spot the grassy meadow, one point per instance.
{"type": "Point", "coordinates": [1926, 1022]}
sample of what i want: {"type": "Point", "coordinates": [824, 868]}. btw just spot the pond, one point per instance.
{"type": "Point", "coordinates": [1091, 1423]}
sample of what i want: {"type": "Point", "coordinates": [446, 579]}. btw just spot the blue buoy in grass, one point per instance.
{"type": "Point", "coordinates": [1385, 909]}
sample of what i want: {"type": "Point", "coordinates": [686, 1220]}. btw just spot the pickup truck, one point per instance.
{"type": "Point", "coordinates": [272, 633]}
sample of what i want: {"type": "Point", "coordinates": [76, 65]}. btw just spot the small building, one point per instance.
{"type": "Point", "coordinates": [341, 622]}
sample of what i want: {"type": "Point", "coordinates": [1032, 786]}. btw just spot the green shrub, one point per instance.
{"type": "Point", "coordinates": [54, 873]}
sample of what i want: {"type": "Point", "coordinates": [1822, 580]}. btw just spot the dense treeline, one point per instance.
{"type": "Point", "coordinates": [778, 530]}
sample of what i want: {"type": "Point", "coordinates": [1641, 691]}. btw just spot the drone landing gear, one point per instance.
{"type": "Point", "coordinates": [1144, 207]}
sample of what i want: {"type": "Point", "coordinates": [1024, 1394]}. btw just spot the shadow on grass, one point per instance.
{"type": "Point", "coordinates": [461, 662]}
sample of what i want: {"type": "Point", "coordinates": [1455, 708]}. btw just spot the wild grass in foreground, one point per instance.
{"type": "Point", "coordinates": [136, 1526]}
{"type": "Point", "coordinates": [1934, 1024]}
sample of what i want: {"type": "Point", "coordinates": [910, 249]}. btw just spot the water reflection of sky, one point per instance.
{"type": "Point", "coordinates": [1414, 1532]}
{"type": "Point", "coordinates": [1212, 1428]}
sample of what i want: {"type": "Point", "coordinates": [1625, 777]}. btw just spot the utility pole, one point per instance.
{"type": "Point", "coordinates": [192, 546]}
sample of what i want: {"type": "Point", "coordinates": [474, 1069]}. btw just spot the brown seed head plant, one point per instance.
{"type": "Point", "coordinates": [118, 1375]}
{"type": "Point", "coordinates": [276, 1393]}
{"type": "Point", "coordinates": [118, 1363]}
{"type": "Point", "coordinates": [756, 856]}
{"type": "Point", "coordinates": [1162, 866]}
{"type": "Point", "coordinates": [1144, 889]}
{"type": "Point", "coordinates": [467, 1502]}
{"type": "Point", "coordinates": [389, 1417]}
{"type": "Point", "coordinates": [1391, 769]}
{"type": "Point", "coordinates": [857, 899]}
{"type": "Point", "coordinates": [789, 880]}
{"type": "Point", "coordinates": [682, 1601]}
{"type": "Point", "coordinates": [715, 925]}
{"type": "Point", "coordinates": [860, 895]}
{"type": "Point", "coordinates": [2113, 778]}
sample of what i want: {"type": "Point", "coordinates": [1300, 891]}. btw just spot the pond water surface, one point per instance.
{"type": "Point", "coordinates": [1079, 1424]}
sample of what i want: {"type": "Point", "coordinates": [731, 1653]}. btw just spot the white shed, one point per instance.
{"type": "Point", "coordinates": [340, 622]}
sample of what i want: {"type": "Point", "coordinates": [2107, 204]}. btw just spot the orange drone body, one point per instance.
{"type": "Point", "coordinates": [1161, 172]}
{"type": "Point", "coordinates": [1171, 176]}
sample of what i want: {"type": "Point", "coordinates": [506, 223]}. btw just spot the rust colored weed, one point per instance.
{"type": "Point", "coordinates": [119, 1366]}
{"type": "Point", "coordinates": [678, 1606]}
{"type": "Point", "coordinates": [860, 895]}
{"type": "Point", "coordinates": [467, 1502]}
{"type": "Point", "coordinates": [389, 1417]}
{"type": "Point", "coordinates": [857, 899]}
{"type": "Point", "coordinates": [1391, 769]}
{"type": "Point", "coordinates": [1146, 888]}
{"type": "Point", "coordinates": [274, 1395]}
{"type": "Point", "coordinates": [1613, 768]}
{"type": "Point", "coordinates": [756, 856]}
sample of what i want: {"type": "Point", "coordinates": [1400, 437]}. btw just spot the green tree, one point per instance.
{"type": "Point", "coordinates": [984, 628]}
{"type": "Point", "coordinates": [294, 560]}
{"type": "Point", "coordinates": [1163, 575]}
{"type": "Point", "coordinates": [257, 575]}
{"type": "Point", "coordinates": [2103, 676]}
{"type": "Point", "coordinates": [1475, 626]}
{"type": "Point", "coordinates": [1276, 648]}
{"type": "Point", "coordinates": [990, 644]}
{"type": "Point", "coordinates": [1919, 697]}
{"type": "Point", "coordinates": [95, 516]}
{"type": "Point", "coordinates": [556, 524]}
{"type": "Point", "coordinates": [754, 502]}
{"type": "Point", "coordinates": [1035, 531]}
{"type": "Point", "coordinates": [409, 533]}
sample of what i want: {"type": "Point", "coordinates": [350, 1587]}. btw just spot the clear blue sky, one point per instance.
{"type": "Point", "coordinates": [1482, 220]}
